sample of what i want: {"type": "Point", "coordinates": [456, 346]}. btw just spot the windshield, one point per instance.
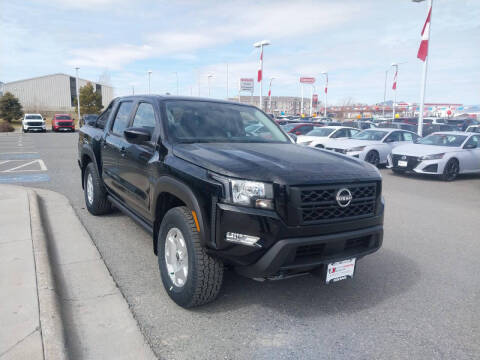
{"type": "Point", "coordinates": [320, 132]}
{"type": "Point", "coordinates": [373, 135]}
{"type": "Point", "coordinates": [203, 121]}
{"type": "Point", "coordinates": [63, 117]}
{"type": "Point", "coordinates": [33, 117]}
{"type": "Point", "coordinates": [475, 129]}
{"type": "Point", "coordinates": [443, 140]}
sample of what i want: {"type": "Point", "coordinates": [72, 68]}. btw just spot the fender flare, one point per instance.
{"type": "Point", "coordinates": [87, 150]}
{"type": "Point", "coordinates": [168, 184]}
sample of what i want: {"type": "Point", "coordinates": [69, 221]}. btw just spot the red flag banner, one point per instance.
{"type": "Point", "coordinates": [394, 86]}
{"type": "Point", "coordinates": [259, 77]}
{"type": "Point", "coordinates": [423, 49]}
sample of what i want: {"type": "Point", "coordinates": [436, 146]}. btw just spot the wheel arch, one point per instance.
{"type": "Point", "coordinates": [172, 193]}
{"type": "Point", "coordinates": [87, 156]}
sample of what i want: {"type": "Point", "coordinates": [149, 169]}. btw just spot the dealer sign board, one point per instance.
{"type": "Point", "coordinates": [246, 84]}
{"type": "Point", "coordinates": [307, 80]}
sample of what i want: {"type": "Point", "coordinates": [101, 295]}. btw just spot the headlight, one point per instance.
{"type": "Point", "coordinates": [306, 143]}
{"type": "Point", "coordinates": [431, 157]}
{"type": "Point", "coordinates": [246, 192]}
{"type": "Point", "coordinates": [358, 148]}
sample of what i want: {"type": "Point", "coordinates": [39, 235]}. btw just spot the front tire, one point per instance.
{"type": "Point", "coordinates": [94, 192]}
{"type": "Point", "coordinates": [373, 158]}
{"type": "Point", "coordinates": [451, 170]}
{"type": "Point", "coordinates": [190, 276]}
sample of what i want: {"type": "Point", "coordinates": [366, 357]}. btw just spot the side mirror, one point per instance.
{"type": "Point", "coordinates": [293, 137]}
{"type": "Point", "coordinates": [137, 135]}
{"type": "Point", "coordinates": [470, 146]}
{"type": "Point", "coordinates": [389, 140]}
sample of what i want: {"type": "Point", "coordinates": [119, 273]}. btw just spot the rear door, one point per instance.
{"type": "Point", "coordinates": [114, 148]}
{"type": "Point", "coordinates": [136, 171]}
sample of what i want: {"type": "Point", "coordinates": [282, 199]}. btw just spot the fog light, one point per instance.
{"type": "Point", "coordinates": [264, 203]}
{"type": "Point", "coordinates": [242, 239]}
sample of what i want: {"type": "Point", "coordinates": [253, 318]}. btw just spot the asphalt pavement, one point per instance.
{"type": "Point", "coordinates": [416, 298]}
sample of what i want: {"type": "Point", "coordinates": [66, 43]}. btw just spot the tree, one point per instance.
{"type": "Point", "coordinates": [90, 101]}
{"type": "Point", "coordinates": [10, 107]}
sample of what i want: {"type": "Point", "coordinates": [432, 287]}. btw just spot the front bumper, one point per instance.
{"type": "Point", "coordinates": [34, 127]}
{"type": "Point", "coordinates": [290, 249]}
{"type": "Point", "coordinates": [432, 167]}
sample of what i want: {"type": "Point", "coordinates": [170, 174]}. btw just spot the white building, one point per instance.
{"type": "Point", "coordinates": [52, 93]}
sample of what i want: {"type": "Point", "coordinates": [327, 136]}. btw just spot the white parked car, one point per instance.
{"type": "Point", "coordinates": [33, 122]}
{"type": "Point", "coordinates": [473, 129]}
{"type": "Point", "coordinates": [372, 145]}
{"type": "Point", "coordinates": [320, 135]}
{"type": "Point", "coordinates": [446, 154]}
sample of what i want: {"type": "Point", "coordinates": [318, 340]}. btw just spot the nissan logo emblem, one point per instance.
{"type": "Point", "coordinates": [344, 197]}
{"type": "Point", "coordinates": [404, 157]}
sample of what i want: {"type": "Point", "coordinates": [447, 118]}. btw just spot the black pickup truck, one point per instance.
{"type": "Point", "coordinates": [219, 184]}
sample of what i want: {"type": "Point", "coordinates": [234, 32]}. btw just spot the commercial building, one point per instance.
{"type": "Point", "coordinates": [52, 93]}
{"type": "Point", "coordinates": [289, 105]}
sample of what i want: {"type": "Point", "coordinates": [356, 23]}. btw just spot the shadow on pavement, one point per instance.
{"type": "Point", "coordinates": [378, 277]}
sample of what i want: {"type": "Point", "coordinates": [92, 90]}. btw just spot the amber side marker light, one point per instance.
{"type": "Point", "coordinates": [196, 220]}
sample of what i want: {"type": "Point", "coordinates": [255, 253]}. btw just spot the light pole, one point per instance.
{"type": "Point", "coordinates": [261, 44]}
{"type": "Point", "coordinates": [425, 64]}
{"type": "Point", "coordinates": [78, 93]}
{"type": "Point", "coordinates": [176, 74]}
{"type": "Point", "coordinates": [385, 93]}
{"type": "Point", "coordinates": [270, 94]}
{"type": "Point", "coordinates": [209, 76]}
{"type": "Point", "coordinates": [326, 91]}
{"type": "Point", "coordinates": [149, 74]}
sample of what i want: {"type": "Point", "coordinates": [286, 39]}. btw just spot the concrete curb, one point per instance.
{"type": "Point", "coordinates": [53, 332]}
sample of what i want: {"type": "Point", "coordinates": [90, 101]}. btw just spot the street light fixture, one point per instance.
{"type": "Point", "coordinates": [209, 76]}
{"type": "Point", "coordinates": [261, 44]}
{"type": "Point", "coordinates": [149, 74]}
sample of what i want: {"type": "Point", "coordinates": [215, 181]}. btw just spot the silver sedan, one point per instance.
{"type": "Point", "coordinates": [445, 154]}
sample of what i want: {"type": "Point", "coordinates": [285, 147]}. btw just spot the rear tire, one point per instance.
{"type": "Point", "coordinates": [94, 192]}
{"type": "Point", "coordinates": [451, 170]}
{"type": "Point", "coordinates": [185, 254]}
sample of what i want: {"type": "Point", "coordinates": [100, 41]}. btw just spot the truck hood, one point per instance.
{"type": "Point", "coordinates": [422, 150]}
{"type": "Point", "coordinates": [287, 164]}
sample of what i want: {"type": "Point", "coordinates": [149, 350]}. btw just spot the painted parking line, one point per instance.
{"type": "Point", "coordinates": [23, 178]}
{"type": "Point", "coordinates": [9, 166]}
{"type": "Point", "coordinates": [19, 155]}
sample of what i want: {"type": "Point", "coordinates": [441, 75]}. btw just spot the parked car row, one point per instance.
{"type": "Point", "coordinates": [445, 153]}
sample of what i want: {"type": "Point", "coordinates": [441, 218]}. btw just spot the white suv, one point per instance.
{"type": "Point", "coordinates": [33, 122]}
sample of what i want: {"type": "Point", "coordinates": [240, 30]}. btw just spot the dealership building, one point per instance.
{"type": "Point", "coordinates": [52, 93]}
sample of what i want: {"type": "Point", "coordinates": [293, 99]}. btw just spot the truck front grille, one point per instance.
{"type": "Point", "coordinates": [34, 123]}
{"type": "Point", "coordinates": [65, 123]}
{"type": "Point", "coordinates": [318, 204]}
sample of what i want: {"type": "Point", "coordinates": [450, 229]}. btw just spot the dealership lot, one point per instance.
{"type": "Point", "coordinates": [415, 298]}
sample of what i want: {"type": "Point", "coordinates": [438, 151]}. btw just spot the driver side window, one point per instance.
{"type": "Point", "coordinates": [474, 140]}
{"type": "Point", "coordinates": [394, 137]}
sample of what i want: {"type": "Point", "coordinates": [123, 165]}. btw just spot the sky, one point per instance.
{"type": "Point", "coordinates": [356, 41]}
